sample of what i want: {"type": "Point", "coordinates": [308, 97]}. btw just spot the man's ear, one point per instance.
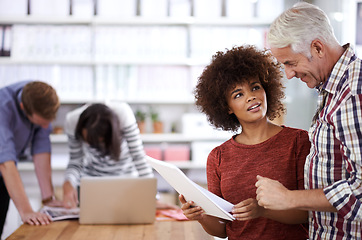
{"type": "Point", "coordinates": [21, 106]}
{"type": "Point", "coordinates": [317, 47]}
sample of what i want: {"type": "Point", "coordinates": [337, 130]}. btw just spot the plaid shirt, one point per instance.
{"type": "Point", "coordinates": [334, 163]}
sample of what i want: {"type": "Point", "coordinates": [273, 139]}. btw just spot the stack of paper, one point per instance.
{"type": "Point", "coordinates": [72, 83]}
{"type": "Point", "coordinates": [48, 42]}
{"type": "Point", "coordinates": [211, 203]}
{"type": "Point", "coordinates": [206, 41]}
{"type": "Point", "coordinates": [156, 43]}
{"type": "Point", "coordinates": [58, 213]}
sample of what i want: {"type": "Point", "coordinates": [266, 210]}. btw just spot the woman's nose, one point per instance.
{"type": "Point", "coordinates": [251, 98]}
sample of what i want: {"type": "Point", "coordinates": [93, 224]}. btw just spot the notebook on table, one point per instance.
{"type": "Point", "coordinates": [117, 200]}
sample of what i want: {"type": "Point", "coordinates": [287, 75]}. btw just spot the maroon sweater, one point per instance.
{"type": "Point", "coordinates": [231, 174]}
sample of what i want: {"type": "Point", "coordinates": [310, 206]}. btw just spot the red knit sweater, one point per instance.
{"type": "Point", "coordinates": [231, 174]}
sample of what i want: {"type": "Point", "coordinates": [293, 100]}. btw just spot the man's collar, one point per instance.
{"type": "Point", "coordinates": [330, 85]}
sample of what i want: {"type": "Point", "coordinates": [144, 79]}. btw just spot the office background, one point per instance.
{"type": "Point", "coordinates": [148, 53]}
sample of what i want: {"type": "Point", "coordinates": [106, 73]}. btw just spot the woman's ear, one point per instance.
{"type": "Point", "coordinates": [21, 106]}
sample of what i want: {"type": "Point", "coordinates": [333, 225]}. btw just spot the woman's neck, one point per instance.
{"type": "Point", "coordinates": [255, 133]}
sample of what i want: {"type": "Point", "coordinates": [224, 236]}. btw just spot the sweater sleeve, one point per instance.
{"type": "Point", "coordinates": [75, 164]}
{"type": "Point", "coordinates": [76, 154]}
{"type": "Point", "coordinates": [131, 133]}
{"type": "Point", "coordinates": [213, 174]}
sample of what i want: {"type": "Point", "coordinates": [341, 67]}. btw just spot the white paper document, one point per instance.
{"type": "Point", "coordinates": [58, 213]}
{"type": "Point", "coordinates": [210, 203]}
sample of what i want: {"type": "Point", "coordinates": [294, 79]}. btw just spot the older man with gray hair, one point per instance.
{"type": "Point", "coordinates": [302, 39]}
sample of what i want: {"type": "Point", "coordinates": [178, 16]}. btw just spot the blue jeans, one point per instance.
{"type": "Point", "coordinates": [4, 204]}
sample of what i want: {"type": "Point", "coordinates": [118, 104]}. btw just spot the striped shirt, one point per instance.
{"type": "Point", "coordinates": [334, 163]}
{"type": "Point", "coordinates": [87, 161]}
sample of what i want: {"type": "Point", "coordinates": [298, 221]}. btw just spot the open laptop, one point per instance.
{"type": "Point", "coordinates": [117, 200]}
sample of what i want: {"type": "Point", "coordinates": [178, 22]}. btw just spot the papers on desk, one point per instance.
{"type": "Point", "coordinates": [211, 203]}
{"type": "Point", "coordinates": [58, 213]}
{"type": "Point", "coordinates": [170, 215]}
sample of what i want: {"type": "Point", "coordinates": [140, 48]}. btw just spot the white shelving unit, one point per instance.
{"type": "Point", "coordinates": [163, 102]}
{"type": "Point", "coordinates": [149, 137]}
{"type": "Point", "coordinates": [94, 22]}
{"type": "Point", "coordinates": [97, 20]}
{"type": "Point", "coordinates": [60, 151]}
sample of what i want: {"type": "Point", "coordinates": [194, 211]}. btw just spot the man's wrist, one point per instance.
{"type": "Point", "coordinates": [299, 199]}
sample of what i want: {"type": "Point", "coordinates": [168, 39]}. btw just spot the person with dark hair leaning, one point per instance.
{"type": "Point", "coordinates": [241, 90]}
{"type": "Point", "coordinates": [302, 39]}
{"type": "Point", "coordinates": [104, 140]}
{"type": "Point", "coordinates": [26, 110]}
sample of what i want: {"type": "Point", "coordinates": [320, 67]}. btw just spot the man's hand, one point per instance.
{"type": "Point", "coordinates": [271, 194]}
{"type": "Point", "coordinates": [35, 218]}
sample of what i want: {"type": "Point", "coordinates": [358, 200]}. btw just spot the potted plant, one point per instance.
{"type": "Point", "coordinates": [157, 124]}
{"type": "Point", "coordinates": [141, 120]}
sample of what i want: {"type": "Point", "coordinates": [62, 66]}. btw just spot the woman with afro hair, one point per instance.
{"type": "Point", "coordinates": [241, 91]}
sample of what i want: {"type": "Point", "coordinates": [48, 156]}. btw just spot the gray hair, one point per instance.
{"type": "Point", "coordinates": [298, 26]}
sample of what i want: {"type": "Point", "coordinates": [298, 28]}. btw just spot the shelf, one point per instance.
{"type": "Point", "coordinates": [185, 101]}
{"type": "Point", "coordinates": [11, 61]}
{"type": "Point", "coordinates": [181, 21]}
{"type": "Point", "coordinates": [29, 166]}
{"type": "Point", "coordinates": [187, 64]}
{"type": "Point", "coordinates": [152, 62]}
{"type": "Point", "coordinates": [97, 20]}
{"type": "Point", "coordinates": [179, 137]}
{"type": "Point", "coordinates": [44, 20]}
{"type": "Point", "coordinates": [58, 138]}
{"type": "Point", "coordinates": [158, 138]}
{"type": "Point", "coordinates": [175, 101]}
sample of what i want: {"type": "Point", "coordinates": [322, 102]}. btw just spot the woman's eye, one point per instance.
{"type": "Point", "coordinates": [256, 88]}
{"type": "Point", "coordinates": [238, 95]}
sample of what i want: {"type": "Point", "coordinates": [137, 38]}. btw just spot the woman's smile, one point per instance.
{"type": "Point", "coordinates": [254, 107]}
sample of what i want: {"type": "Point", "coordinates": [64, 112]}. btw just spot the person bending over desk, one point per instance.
{"type": "Point", "coordinates": [104, 140]}
{"type": "Point", "coordinates": [26, 110]}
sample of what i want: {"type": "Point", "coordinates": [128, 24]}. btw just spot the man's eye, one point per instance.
{"type": "Point", "coordinates": [290, 65]}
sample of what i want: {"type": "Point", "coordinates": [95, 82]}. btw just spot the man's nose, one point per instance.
{"type": "Point", "coordinates": [289, 73]}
